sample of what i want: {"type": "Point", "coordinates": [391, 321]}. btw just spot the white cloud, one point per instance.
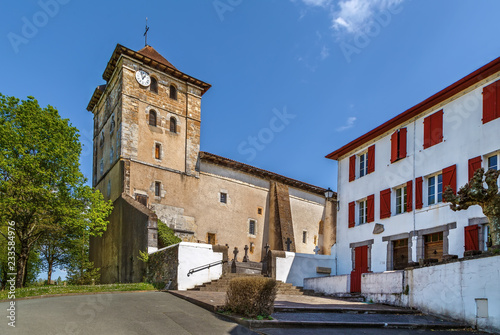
{"type": "Point", "coordinates": [349, 124]}
{"type": "Point", "coordinates": [351, 16]}
{"type": "Point", "coordinates": [317, 3]}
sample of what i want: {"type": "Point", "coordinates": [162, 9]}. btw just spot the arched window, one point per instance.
{"type": "Point", "coordinates": [173, 92]}
{"type": "Point", "coordinates": [153, 87]}
{"type": "Point", "coordinates": [173, 125]}
{"type": "Point", "coordinates": [152, 118]}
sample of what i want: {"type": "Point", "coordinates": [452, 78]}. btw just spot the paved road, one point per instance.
{"type": "Point", "coordinates": [363, 331]}
{"type": "Point", "coordinates": [118, 313]}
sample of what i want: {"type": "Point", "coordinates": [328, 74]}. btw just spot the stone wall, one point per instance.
{"type": "Point", "coordinates": [162, 267]}
{"type": "Point", "coordinates": [173, 265]}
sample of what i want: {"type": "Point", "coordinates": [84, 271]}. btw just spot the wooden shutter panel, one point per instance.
{"type": "Point", "coordinates": [385, 204]}
{"type": "Point", "coordinates": [352, 168]}
{"type": "Point", "coordinates": [427, 132]}
{"type": "Point", "coordinates": [450, 178]}
{"type": "Point", "coordinates": [418, 193]}
{"type": "Point", "coordinates": [370, 204]}
{"type": "Point", "coordinates": [394, 147]}
{"type": "Point", "coordinates": [437, 127]}
{"type": "Point", "coordinates": [472, 237]}
{"type": "Point", "coordinates": [402, 143]}
{"type": "Point", "coordinates": [490, 102]}
{"type": "Point", "coordinates": [474, 164]}
{"type": "Point", "coordinates": [371, 159]}
{"type": "Point", "coordinates": [409, 196]}
{"type": "Point", "coordinates": [352, 211]}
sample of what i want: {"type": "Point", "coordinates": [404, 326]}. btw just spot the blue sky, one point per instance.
{"type": "Point", "coordinates": [336, 68]}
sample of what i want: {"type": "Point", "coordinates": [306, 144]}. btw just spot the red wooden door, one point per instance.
{"type": "Point", "coordinates": [472, 237]}
{"type": "Point", "coordinates": [360, 267]}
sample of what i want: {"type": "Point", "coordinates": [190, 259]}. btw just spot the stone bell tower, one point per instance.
{"type": "Point", "coordinates": [146, 139]}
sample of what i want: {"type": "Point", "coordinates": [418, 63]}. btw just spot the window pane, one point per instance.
{"type": "Point", "coordinates": [398, 201]}
{"type": "Point", "coordinates": [440, 188]}
{"type": "Point", "coordinates": [493, 162]}
{"type": "Point", "coordinates": [404, 199]}
{"type": "Point", "coordinates": [431, 190]}
{"type": "Point", "coordinates": [362, 165]}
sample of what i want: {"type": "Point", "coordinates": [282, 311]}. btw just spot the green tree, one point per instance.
{"type": "Point", "coordinates": [475, 193]}
{"type": "Point", "coordinates": [40, 179]}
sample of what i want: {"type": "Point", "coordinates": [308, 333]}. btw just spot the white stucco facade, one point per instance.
{"type": "Point", "coordinates": [295, 267]}
{"type": "Point", "coordinates": [192, 255]}
{"type": "Point", "coordinates": [464, 137]}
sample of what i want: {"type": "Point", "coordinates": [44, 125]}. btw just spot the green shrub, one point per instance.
{"type": "Point", "coordinates": [251, 296]}
{"type": "Point", "coordinates": [166, 235]}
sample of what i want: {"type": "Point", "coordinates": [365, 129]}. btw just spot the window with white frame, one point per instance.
{"type": "Point", "coordinates": [362, 211]}
{"type": "Point", "coordinates": [434, 189]}
{"type": "Point", "coordinates": [493, 162]}
{"type": "Point", "coordinates": [363, 164]}
{"type": "Point", "coordinates": [400, 200]}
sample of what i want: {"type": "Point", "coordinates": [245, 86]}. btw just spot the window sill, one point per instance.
{"type": "Point", "coordinates": [432, 207]}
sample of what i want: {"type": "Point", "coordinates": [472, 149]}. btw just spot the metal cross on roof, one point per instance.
{"type": "Point", "coordinates": [288, 242]}
{"type": "Point", "coordinates": [146, 34]}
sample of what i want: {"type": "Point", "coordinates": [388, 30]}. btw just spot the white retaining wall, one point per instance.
{"type": "Point", "coordinates": [192, 255]}
{"type": "Point", "coordinates": [467, 290]}
{"type": "Point", "coordinates": [295, 267]}
{"type": "Point", "coordinates": [329, 285]}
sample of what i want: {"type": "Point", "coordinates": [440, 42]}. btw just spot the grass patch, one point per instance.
{"type": "Point", "coordinates": [49, 290]}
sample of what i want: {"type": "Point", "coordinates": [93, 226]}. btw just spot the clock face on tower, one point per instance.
{"type": "Point", "coordinates": [143, 78]}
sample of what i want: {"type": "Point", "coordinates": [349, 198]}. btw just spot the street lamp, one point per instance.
{"type": "Point", "coordinates": [328, 193]}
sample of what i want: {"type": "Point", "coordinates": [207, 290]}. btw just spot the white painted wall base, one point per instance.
{"type": "Point", "coordinates": [332, 285]}
{"type": "Point", "coordinates": [192, 255]}
{"type": "Point", "coordinates": [468, 290]}
{"type": "Point", "coordinates": [295, 267]}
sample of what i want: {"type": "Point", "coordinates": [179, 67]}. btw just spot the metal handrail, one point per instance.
{"type": "Point", "coordinates": [203, 267]}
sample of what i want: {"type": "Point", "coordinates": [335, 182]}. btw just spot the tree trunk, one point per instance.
{"type": "Point", "coordinates": [495, 230]}
{"type": "Point", "coordinates": [49, 275]}
{"type": "Point", "coordinates": [22, 262]}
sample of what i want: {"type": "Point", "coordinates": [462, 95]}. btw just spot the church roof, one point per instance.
{"type": "Point", "coordinates": [219, 160]}
{"type": "Point", "coordinates": [150, 57]}
{"type": "Point", "coordinates": [150, 52]}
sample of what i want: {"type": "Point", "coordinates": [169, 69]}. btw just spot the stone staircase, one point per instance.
{"type": "Point", "coordinates": [222, 284]}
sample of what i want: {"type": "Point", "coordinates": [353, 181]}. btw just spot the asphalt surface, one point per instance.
{"type": "Point", "coordinates": [362, 331]}
{"type": "Point", "coordinates": [117, 313]}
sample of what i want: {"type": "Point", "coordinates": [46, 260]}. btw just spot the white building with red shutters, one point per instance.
{"type": "Point", "coordinates": [391, 179]}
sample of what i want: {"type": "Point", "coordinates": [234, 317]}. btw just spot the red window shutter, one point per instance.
{"type": "Point", "coordinates": [450, 178]}
{"type": "Point", "coordinates": [352, 168]}
{"type": "Point", "coordinates": [472, 237]}
{"type": "Point", "coordinates": [433, 129]}
{"type": "Point", "coordinates": [385, 204]}
{"type": "Point", "coordinates": [427, 132]}
{"type": "Point", "coordinates": [352, 218]}
{"type": "Point", "coordinates": [394, 147]}
{"type": "Point", "coordinates": [402, 143]}
{"type": "Point", "coordinates": [370, 204]}
{"type": "Point", "coordinates": [418, 193]}
{"type": "Point", "coordinates": [371, 159]}
{"type": "Point", "coordinates": [437, 127]}
{"type": "Point", "coordinates": [409, 196]}
{"type": "Point", "coordinates": [490, 102]}
{"type": "Point", "coordinates": [474, 164]}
